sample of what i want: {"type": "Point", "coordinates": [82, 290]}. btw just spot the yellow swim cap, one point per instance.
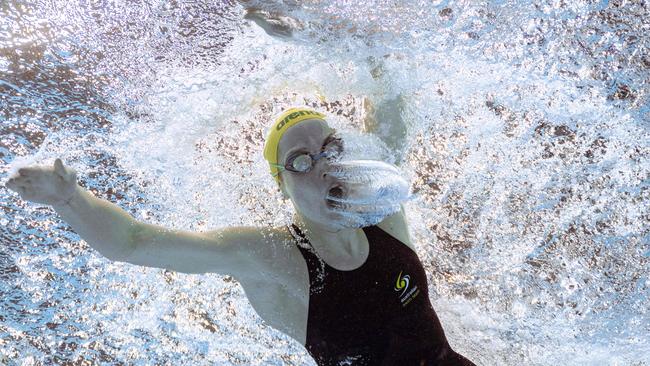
{"type": "Point", "coordinates": [287, 119]}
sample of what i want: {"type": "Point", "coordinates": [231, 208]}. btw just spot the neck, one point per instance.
{"type": "Point", "coordinates": [331, 241]}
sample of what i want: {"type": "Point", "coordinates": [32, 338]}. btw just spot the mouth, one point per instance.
{"type": "Point", "coordinates": [334, 196]}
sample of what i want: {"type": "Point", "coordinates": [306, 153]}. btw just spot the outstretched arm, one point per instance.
{"type": "Point", "coordinates": [118, 236]}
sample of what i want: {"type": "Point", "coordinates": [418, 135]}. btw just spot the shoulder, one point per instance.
{"type": "Point", "coordinates": [397, 227]}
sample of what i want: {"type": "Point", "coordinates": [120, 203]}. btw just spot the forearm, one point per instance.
{"type": "Point", "coordinates": [103, 225]}
{"type": "Point", "coordinates": [385, 120]}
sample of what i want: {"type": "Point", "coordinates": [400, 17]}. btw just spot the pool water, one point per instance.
{"type": "Point", "coordinates": [524, 127]}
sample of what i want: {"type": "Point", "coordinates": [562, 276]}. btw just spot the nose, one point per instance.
{"type": "Point", "coordinates": [323, 167]}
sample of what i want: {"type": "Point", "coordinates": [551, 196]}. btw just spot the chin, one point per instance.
{"type": "Point", "coordinates": [337, 221]}
{"type": "Point", "coordinates": [325, 218]}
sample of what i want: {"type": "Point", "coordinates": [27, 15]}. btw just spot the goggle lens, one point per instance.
{"type": "Point", "coordinates": [302, 163]}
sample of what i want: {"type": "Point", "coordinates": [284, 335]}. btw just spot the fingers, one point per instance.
{"type": "Point", "coordinates": [28, 172]}
{"type": "Point", "coordinates": [25, 193]}
{"type": "Point", "coordinates": [26, 188]}
{"type": "Point", "coordinates": [18, 182]}
{"type": "Point", "coordinates": [17, 185]}
{"type": "Point", "coordinates": [11, 184]}
{"type": "Point", "coordinates": [25, 175]}
{"type": "Point", "coordinates": [37, 177]}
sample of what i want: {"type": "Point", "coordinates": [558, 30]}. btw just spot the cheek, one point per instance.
{"type": "Point", "coordinates": [305, 192]}
{"type": "Point", "coordinates": [300, 190]}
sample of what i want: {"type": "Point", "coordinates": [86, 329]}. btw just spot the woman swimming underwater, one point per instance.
{"type": "Point", "coordinates": [351, 295]}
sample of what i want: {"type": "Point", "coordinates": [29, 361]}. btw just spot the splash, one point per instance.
{"type": "Point", "coordinates": [366, 192]}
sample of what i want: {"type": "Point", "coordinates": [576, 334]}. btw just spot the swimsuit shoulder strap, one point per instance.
{"type": "Point", "coordinates": [379, 237]}
{"type": "Point", "coordinates": [298, 235]}
{"type": "Point", "coordinates": [304, 245]}
{"type": "Point", "coordinates": [315, 265]}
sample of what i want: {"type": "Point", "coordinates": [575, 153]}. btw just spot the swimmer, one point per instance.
{"type": "Point", "coordinates": [352, 296]}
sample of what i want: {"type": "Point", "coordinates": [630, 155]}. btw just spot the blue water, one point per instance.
{"type": "Point", "coordinates": [524, 127]}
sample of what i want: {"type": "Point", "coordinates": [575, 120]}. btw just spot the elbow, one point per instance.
{"type": "Point", "coordinates": [124, 250]}
{"type": "Point", "coordinates": [120, 257]}
{"type": "Point", "coordinates": [121, 253]}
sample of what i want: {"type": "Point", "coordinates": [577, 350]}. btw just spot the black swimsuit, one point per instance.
{"type": "Point", "coordinates": [377, 314]}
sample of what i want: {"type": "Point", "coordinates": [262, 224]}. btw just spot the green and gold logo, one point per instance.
{"type": "Point", "coordinates": [402, 283]}
{"type": "Point", "coordinates": [408, 293]}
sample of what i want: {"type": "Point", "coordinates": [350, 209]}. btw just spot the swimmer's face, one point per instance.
{"type": "Point", "coordinates": [308, 190]}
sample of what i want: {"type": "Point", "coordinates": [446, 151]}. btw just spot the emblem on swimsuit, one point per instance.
{"type": "Point", "coordinates": [402, 284]}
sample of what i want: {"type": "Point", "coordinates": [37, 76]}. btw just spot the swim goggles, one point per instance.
{"type": "Point", "coordinates": [304, 162]}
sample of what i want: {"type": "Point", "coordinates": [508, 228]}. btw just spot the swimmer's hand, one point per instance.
{"type": "Point", "coordinates": [51, 185]}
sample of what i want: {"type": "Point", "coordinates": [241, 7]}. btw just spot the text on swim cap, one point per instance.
{"type": "Point", "coordinates": [296, 115]}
